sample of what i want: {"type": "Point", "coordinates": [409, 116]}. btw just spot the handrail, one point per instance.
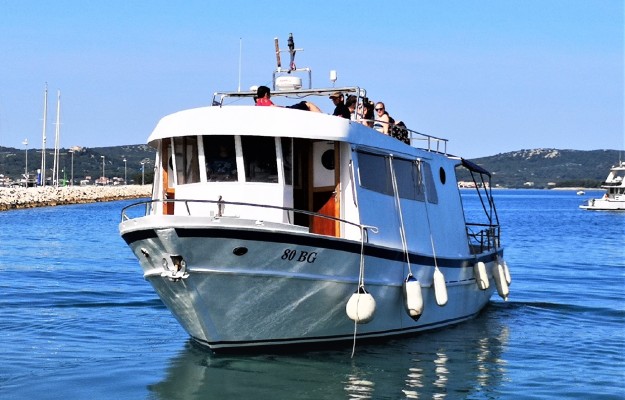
{"type": "Point", "coordinates": [485, 239]}
{"type": "Point", "coordinates": [148, 203]}
{"type": "Point", "coordinates": [218, 97]}
{"type": "Point", "coordinates": [413, 136]}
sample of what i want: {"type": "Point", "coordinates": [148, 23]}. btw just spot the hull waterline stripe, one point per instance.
{"type": "Point", "coordinates": [135, 236]}
{"type": "Point", "coordinates": [310, 241]}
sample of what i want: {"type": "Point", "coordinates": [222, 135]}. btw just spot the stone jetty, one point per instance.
{"type": "Point", "coordinates": [13, 198]}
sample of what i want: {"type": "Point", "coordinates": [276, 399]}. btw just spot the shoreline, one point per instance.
{"type": "Point", "coordinates": [49, 196]}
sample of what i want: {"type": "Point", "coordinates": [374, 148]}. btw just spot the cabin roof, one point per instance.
{"type": "Point", "coordinates": [274, 122]}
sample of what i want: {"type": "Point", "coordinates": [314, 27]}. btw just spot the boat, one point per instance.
{"type": "Point", "coordinates": [276, 227]}
{"type": "Point", "coordinates": [581, 193]}
{"type": "Point", "coordinates": [614, 197]}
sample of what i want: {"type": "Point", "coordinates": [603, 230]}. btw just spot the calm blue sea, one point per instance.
{"type": "Point", "coordinates": [77, 320]}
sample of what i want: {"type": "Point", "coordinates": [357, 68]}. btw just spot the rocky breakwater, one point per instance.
{"type": "Point", "coordinates": [12, 198]}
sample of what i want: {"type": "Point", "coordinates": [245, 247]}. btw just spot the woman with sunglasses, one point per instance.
{"type": "Point", "coordinates": [382, 119]}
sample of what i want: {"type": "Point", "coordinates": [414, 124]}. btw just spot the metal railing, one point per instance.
{"type": "Point", "coordinates": [220, 206]}
{"type": "Point", "coordinates": [483, 237]}
{"type": "Point", "coordinates": [411, 137]}
{"type": "Point", "coordinates": [431, 140]}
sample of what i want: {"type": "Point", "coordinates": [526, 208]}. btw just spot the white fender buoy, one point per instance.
{"type": "Point", "coordinates": [413, 297]}
{"type": "Point", "coordinates": [360, 307]}
{"type": "Point", "coordinates": [440, 290]}
{"type": "Point", "coordinates": [506, 273]}
{"type": "Point", "coordinates": [481, 277]}
{"type": "Point", "coordinates": [500, 280]}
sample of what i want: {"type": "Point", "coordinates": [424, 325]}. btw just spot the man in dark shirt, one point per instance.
{"type": "Point", "coordinates": [341, 109]}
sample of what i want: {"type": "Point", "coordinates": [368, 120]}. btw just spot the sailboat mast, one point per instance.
{"type": "Point", "coordinates": [57, 139]}
{"type": "Point", "coordinates": [42, 178]}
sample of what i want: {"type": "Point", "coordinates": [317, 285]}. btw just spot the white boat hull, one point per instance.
{"type": "Point", "coordinates": [614, 198]}
{"type": "Point", "coordinates": [265, 221]}
{"type": "Point", "coordinates": [604, 205]}
{"type": "Point", "coordinates": [290, 288]}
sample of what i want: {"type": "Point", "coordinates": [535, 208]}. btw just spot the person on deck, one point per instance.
{"type": "Point", "coordinates": [383, 121]}
{"type": "Point", "coordinates": [340, 107]}
{"type": "Point", "coordinates": [263, 98]}
{"type": "Point", "coordinates": [365, 112]}
{"type": "Point", "coordinates": [351, 107]}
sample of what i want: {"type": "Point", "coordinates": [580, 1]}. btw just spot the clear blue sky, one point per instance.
{"type": "Point", "coordinates": [491, 76]}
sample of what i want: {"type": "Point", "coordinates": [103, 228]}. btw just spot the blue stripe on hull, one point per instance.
{"type": "Point", "coordinates": [312, 241]}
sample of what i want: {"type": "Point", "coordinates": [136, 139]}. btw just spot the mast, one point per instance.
{"type": "Point", "coordinates": [42, 178]}
{"type": "Point", "coordinates": [57, 138]}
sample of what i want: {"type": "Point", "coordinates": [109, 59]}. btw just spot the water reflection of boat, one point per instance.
{"type": "Point", "coordinates": [614, 198]}
{"type": "Point", "coordinates": [454, 363]}
{"type": "Point", "coordinates": [307, 216]}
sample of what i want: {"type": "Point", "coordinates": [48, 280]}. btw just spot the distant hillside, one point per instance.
{"type": "Point", "coordinates": [539, 167]}
{"type": "Point", "coordinates": [517, 169]}
{"type": "Point", "coordinates": [86, 162]}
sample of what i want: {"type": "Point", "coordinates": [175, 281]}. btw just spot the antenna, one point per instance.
{"type": "Point", "coordinates": [292, 51]}
{"type": "Point", "coordinates": [240, 49]}
{"type": "Point", "coordinates": [333, 76]}
{"type": "Point", "coordinates": [277, 53]}
{"type": "Point", "coordinates": [289, 82]}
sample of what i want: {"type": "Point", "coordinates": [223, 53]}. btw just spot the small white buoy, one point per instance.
{"type": "Point", "coordinates": [413, 297]}
{"type": "Point", "coordinates": [360, 307]}
{"type": "Point", "coordinates": [500, 280]}
{"type": "Point", "coordinates": [481, 277]}
{"type": "Point", "coordinates": [440, 290]}
{"type": "Point", "coordinates": [506, 272]}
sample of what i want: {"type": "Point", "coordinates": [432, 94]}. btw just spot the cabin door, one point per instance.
{"type": "Point", "coordinates": [324, 191]}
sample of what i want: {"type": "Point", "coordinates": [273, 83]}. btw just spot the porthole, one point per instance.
{"type": "Point", "coordinates": [327, 159]}
{"type": "Point", "coordinates": [239, 251]}
{"type": "Point", "coordinates": [443, 176]}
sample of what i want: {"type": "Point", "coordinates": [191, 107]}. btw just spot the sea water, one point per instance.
{"type": "Point", "coordinates": [78, 321]}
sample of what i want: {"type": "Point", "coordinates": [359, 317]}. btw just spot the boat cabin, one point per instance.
{"type": "Point", "coordinates": [316, 173]}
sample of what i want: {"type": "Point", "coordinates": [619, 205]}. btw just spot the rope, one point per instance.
{"type": "Point", "coordinates": [402, 229]}
{"type": "Point", "coordinates": [361, 274]}
{"type": "Point", "coordinates": [427, 213]}
{"type": "Point", "coordinates": [361, 281]}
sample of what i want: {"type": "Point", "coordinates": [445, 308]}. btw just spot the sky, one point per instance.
{"type": "Point", "coordinates": [490, 76]}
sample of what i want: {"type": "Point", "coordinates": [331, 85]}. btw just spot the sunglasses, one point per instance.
{"type": "Point", "coordinates": [379, 109]}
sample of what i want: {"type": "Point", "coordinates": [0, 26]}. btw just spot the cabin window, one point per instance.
{"type": "Point", "coordinates": [429, 183]}
{"type": "Point", "coordinates": [221, 163]}
{"type": "Point", "coordinates": [187, 166]}
{"type": "Point", "coordinates": [374, 172]}
{"type": "Point", "coordinates": [287, 160]}
{"type": "Point", "coordinates": [409, 184]}
{"type": "Point", "coordinates": [259, 157]}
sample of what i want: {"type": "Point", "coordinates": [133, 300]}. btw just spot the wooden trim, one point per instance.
{"type": "Point", "coordinates": [337, 188]}
{"type": "Point", "coordinates": [170, 193]}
